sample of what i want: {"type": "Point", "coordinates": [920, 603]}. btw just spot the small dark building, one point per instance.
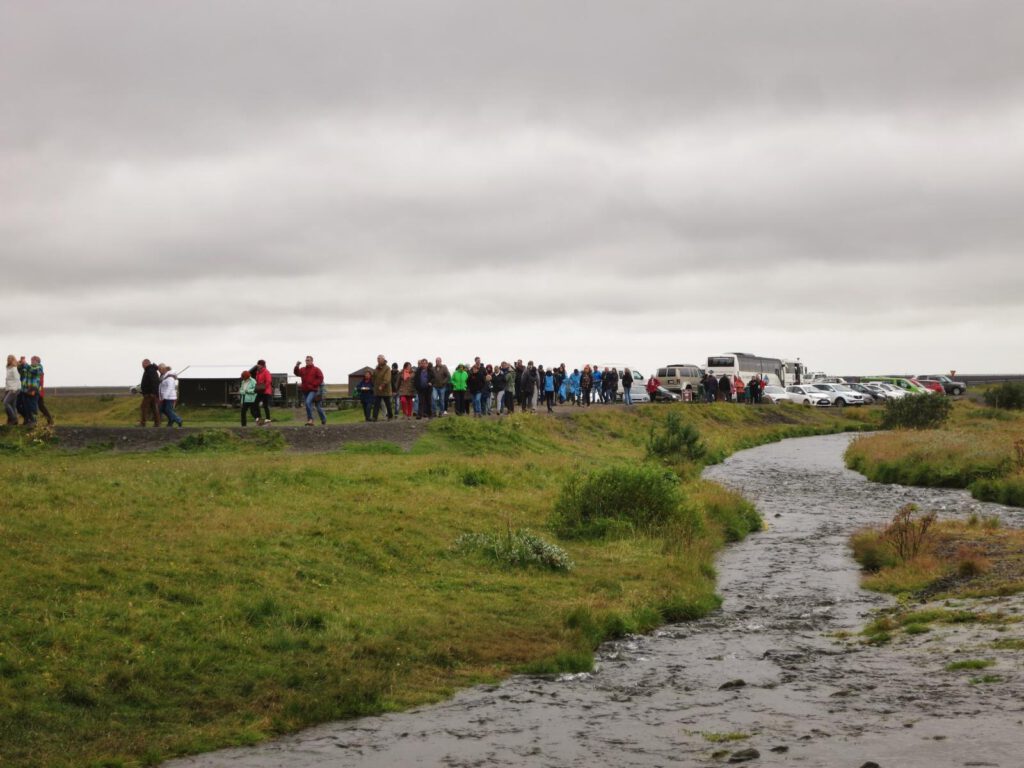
{"type": "Point", "coordinates": [200, 385]}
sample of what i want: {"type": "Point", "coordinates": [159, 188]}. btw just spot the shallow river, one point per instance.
{"type": "Point", "coordinates": [805, 697]}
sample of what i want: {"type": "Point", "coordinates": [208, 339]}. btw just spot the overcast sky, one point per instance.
{"type": "Point", "coordinates": [625, 182]}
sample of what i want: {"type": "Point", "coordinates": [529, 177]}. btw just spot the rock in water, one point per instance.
{"type": "Point", "coordinates": [743, 755]}
{"type": "Point", "coordinates": [732, 684]}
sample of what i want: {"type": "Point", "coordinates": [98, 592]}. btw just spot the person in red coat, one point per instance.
{"type": "Point", "coordinates": [264, 391]}
{"type": "Point", "coordinates": [310, 386]}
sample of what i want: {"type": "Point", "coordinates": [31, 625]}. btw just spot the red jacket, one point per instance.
{"type": "Point", "coordinates": [265, 382]}
{"type": "Point", "coordinates": [312, 377]}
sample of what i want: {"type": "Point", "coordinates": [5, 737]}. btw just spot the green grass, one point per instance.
{"type": "Point", "coordinates": [723, 738]}
{"type": "Point", "coordinates": [178, 601]}
{"type": "Point", "coordinates": [973, 664]}
{"type": "Point", "coordinates": [971, 451]}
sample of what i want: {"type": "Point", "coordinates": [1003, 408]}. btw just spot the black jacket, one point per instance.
{"type": "Point", "coordinates": [150, 380]}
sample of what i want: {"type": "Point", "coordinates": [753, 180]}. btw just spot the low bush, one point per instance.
{"type": "Point", "coordinates": [917, 412]}
{"type": "Point", "coordinates": [616, 501]}
{"type": "Point", "coordinates": [734, 515]}
{"type": "Point", "coordinates": [872, 551]}
{"type": "Point", "coordinates": [676, 440]}
{"type": "Point", "coordinates": [1009, 395]}
{"type": "Point", "coordinates": [1001, 490]}
{"type": "Point", "coordinates": [908, 533]}
{"type": "Point", "coordinates": [518, 548]}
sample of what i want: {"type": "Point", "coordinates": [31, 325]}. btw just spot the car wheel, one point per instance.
{"type": "Point", "coordinates": [840, 402]}
{"type": "Point", "coordinates": [807, 401]}
{"type": "Point", "coordinates": [957, 391]}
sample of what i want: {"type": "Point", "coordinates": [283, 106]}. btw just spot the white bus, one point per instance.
{"type": "Point", "coordinates": [778, 372]}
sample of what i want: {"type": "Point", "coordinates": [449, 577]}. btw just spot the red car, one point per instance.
{"type": "Point", "coordinates": [935, 387]}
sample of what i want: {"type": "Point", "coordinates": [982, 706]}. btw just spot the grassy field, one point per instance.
{"type": "Point", "coordinates": [111, 411]}
{"type": "Point", "coordinates": [171, 602]}
{"type": "Point", "coordinates": [979, 448]}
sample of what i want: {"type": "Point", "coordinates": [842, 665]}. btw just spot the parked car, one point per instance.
{"type": "Point", "coordinates": [773, 394]}
{"type": "Point", "coordinates": [888, 391]}
{"type": "Point", "coordinates": [931, 385]}
{"type": "Point", "coordinates": [663, 395]}
{"type": "Point", "coordinates": [678, 377]}
{"type": "Point", "coordinates": [951, 387]}
{"type": "Point", "coordinates": [842, 394]}
{"type": "Point", "coordinates": [907, 385]}
{"type": "Point", "coordinates": [807, 394]}
{"type": "Point", "coordinates": [871, 396]}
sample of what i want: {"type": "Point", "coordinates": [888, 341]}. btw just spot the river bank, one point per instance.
{"type": "Point", "coordinates": [779, 670]}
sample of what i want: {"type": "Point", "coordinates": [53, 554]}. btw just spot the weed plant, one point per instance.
{"type": "Point", "coordinates": [516, 548]}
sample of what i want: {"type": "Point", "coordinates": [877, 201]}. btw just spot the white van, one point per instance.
{"type": "Point", "coordinates": [679, 377]}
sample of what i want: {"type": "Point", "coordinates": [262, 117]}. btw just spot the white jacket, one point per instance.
{"type": "Point", "coordinates": [13, 383]}
{"type": "Point", "coordinates": [169, 387]}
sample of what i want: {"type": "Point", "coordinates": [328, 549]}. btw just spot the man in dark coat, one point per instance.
{"type": "Point", "coordinates": [150, 390]}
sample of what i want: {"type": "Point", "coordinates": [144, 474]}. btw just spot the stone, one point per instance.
{"type": "Point", "coordinates": [744, 755]}
{"type": "Point", "coordinates": [732, 685]}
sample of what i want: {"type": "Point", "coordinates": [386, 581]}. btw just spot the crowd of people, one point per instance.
{"type": "Point", "coordinates": [426, 390]}
{"type": "Point", "coordinates": [23, 391]}
{"type": "Point", "coordinates": [432, 389]}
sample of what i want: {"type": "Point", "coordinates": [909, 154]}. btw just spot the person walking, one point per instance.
{"type": "Point", "coordinates": [247, 397]}
{"type": "Point", "coordinates": [586, 384]}
{"type": "Point", "coordinates": [423, 389]}
{"type": "Point", "coordinates": [499, 380]}
{"type": "Point", "coordinates": [395, 375]}
{"type": "Point", "coordinates": [311, 381]}
{"type": "Point", "coordinates": [652, 388]}
{"type": "Point", "coordinates": [169, 395]}
{"type": "Point", "coordinates": [710, 386]}
{"type": "Point", "coordinates": [738, 388]}
{"type": "Point", "coordinates": [364, 391]}
{"type": "Point", "coordinates": [754, 390]}
{"type": "Point", "coordinates": [264, 391]}
{"type": "Point", "coordinates": [31, 380]}
{"type": "Point", "coordinates": [627, 383]}
{"type": "Point", "coordinates": [530, 383]}
{"type": "Point", "coordinates": [510, 386]}
{"type": "Point", "coordinates": [460, 383]}
{"type": "Point", "coordinates": [724, 388]}
{"type": "Point", "coordinates": [150, 389]}
{"type": "Point", "coordinates": [611, 384]}
{"type": "Point", "coordinates": [440, 380]}
{"type": "Point", "coordinates": [12, 388]}
{"type": "Point", "coordinates": [549, 390]}
{"type": "Point", "coordinates": [406, 389]}
{"type": "Point", "coordinates": [382, 388]}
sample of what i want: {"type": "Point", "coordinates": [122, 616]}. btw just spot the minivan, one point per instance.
{"type": "Point", "coordinates": [678, 377]}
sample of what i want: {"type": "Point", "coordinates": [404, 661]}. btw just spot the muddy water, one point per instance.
{"type": "Point", "coordinates": [804, 696]}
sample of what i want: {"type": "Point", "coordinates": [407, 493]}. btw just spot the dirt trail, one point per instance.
{"type": "Point", "coordinates": [767, 665]}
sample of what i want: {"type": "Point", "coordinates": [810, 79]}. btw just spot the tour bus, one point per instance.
{"type": "Point", "coordinates": [778, 372]}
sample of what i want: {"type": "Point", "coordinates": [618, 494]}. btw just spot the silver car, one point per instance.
{"type": "Point", "coordinates": [807, 394]}
{"type": "Point", "coordinates": [842, 394]}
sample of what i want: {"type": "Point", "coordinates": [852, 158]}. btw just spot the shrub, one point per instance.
{"type": "Point", "coordinates": [616, 501]}
{"type": "Point", "coordinates": [734, 515]}
{"type": "Point", "coordinates": [1008, 395]}
{"type": "Point", "coordinates": [517, 548]}
{"type": "Point", "coordinates": [917, 412]}
{"type": "Point", "coordinates": [908, 532]}
{"type": "Point", "coordinates": [675, 441]}
{"type": "Point", "coordinates": [872, 551]}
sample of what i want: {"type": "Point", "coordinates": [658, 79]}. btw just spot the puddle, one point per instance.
{"type": "Point", "coordinates": [768, 664]}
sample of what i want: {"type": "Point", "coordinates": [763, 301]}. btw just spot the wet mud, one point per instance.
{"type": "Point", "coordinates": [769, 667]}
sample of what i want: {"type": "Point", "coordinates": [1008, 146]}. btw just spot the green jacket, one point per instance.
{"type": "Point", "coordinates": [460, 380]}
{"type": "Point", "coordinates": [247, 391]}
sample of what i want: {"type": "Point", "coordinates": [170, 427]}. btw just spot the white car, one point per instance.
{"type": "Point", "coordinates": [774, 394]}
{"type": "Point", "coordinates": [887, 391]}
{"type": "Point", "coordinates": [842, 395]}
{"type": "Point", "coordinates": [807, 394]}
